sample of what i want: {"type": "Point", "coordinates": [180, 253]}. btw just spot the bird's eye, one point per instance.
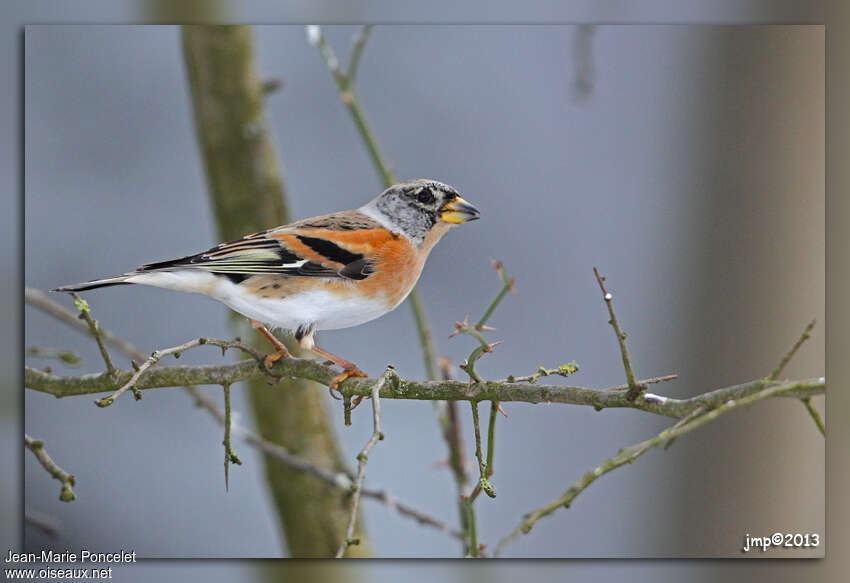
{"type": "Point", "coordinates": [425, 196]}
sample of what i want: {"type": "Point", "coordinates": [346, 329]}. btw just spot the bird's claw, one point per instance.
{"type": "Point", "coordinates": [272, 358]}
{"type": "Point", "coordinates": [345, 374]}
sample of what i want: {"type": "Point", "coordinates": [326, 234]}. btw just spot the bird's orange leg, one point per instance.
{"type": "Point", "coordinates": [348, 369]}
{"type": "Point", "coordinates": [282, 352]}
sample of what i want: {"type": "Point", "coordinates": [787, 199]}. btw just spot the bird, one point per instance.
{"type": "Point", "coordinates": [322, 273]}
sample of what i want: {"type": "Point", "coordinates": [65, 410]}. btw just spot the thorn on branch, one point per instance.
{"type": "Point", "coordinates": [807, 403]}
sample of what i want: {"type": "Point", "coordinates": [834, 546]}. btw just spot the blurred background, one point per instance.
{"type": "Point", "coordinates": [704, 460]}
{"type": "Point", "coordinates": [687, 163]}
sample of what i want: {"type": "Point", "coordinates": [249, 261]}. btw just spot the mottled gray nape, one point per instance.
{"type": "Point", "coordinates": [398, 209]}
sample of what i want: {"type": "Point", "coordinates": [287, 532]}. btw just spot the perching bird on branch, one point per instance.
{"type": "Point", "coordinates": [323, 273]}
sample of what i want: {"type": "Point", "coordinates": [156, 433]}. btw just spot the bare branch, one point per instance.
{"type": "Point", "coordinates": [362, 458]}
{"type": "Point", "coordinates": [614, 397]}
{"type": "Point", "coordinates": [36, 446]}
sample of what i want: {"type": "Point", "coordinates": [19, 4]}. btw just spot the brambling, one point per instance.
{"type": "Point", "coordinates": [323, 273]}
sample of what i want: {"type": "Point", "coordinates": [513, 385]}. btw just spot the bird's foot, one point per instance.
{"type": "Point", "coordinates": [272, 358]}
{"type": "Point", "coordinates": [346, 373]}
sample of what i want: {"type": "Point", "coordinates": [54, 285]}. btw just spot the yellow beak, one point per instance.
{"type": "Point", "coordinates": [458, 211]}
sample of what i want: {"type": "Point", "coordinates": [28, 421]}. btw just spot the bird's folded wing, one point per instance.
{"type": "Point", "coordinates": [260, 254]}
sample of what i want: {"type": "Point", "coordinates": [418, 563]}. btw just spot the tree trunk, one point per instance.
{"type": "Point", "coordinates": [247, 193]}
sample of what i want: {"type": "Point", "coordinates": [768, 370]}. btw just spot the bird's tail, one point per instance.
{"type": "Point", "coordinates": [118, 280]}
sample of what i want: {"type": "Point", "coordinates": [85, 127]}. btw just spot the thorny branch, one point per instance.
{"type": "Point", "coordinates": [476, 330]}
{"type": "Point", "coordinates": [362, 458]}
{"type": "Point", "coordinates": [400, 388]}
{"type": "Point", "coordinates": [36, 446]}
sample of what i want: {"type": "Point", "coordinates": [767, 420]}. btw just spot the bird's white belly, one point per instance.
{"type": "Point", "coordinates": [328, 311]}
{"type": "Point", "coordinates": [325, 310]}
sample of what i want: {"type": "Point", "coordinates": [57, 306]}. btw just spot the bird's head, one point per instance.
{"type": "Point", "coordinates": [416, 207]}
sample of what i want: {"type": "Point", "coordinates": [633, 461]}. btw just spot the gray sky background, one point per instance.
{"type": "Point", "coordinates": [634, 179]}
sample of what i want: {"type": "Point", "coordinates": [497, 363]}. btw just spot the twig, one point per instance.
{"type": "Point", "coordinates": [472, 549]}
{"type": "Point", "coordinates": [176, 351]}
{"type": "Point", "coordinates": [410, 512]}
{"type": "Point", "coordinates": [483, 482]}
{"type": "Point", "coordinates": [807, 403]}
{"type": "Point", "coordinates": [348, 96]}
{"type": "Point", "coordinates": [357, 51]}
{"type": "Point", "coordinates": [362, 458]}
{"type": "Point", "coordinates": [787, 358]}
{"type": "Point", "coordinates": [629, 454]}
{"type": "Point", "coordinates": [475, 330]}
{"type": "Point", "coordinates": [491, 436]}
{"type": "Point", "coordinates": [509, 286]}
{"type": "Point", "coordinates": [634, 388]}
{"type": "Point", "coordinates": [563, 370]}
{"type": "Point", "coordinates": [36, 446]}
{"type": "Point", "coordinates": [85, 313]}
{"type": "Point", "coordinates": [229, 455]}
